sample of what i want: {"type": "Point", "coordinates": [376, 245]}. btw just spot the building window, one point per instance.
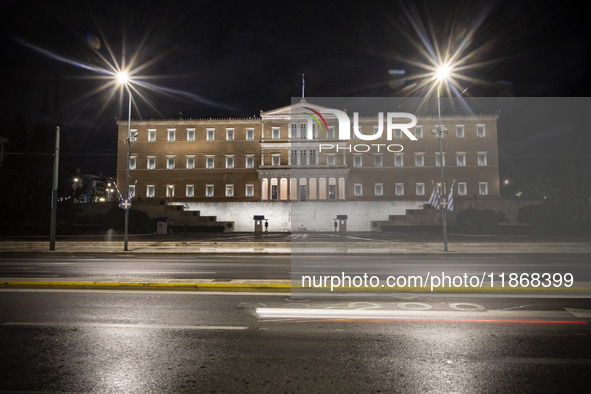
{"type": "Point", "coordinates": [480, 132]}
{"type": "Point", "coordinates": [483, 188]}
{"type": "Point", "coordinates": [462, 189]}
{"type": "Point", "coordinates": [330, 133]}
{"type": "Point", "coordinates": [132, 135]}
{"type": "Point", "coordinates": [399, 189]}
{"type": "Point", "coordinates": [419, 159]}
{"type": "Point", "coordinates": [170, 163]}
{"type": "Point", "coordinates": [438, 159]}
{"type": "Point", "coordinates": [377, 161]}
{"type": "Point", "coordinates": [150, 190]}
{"type": "Point", "coordinates": [358, 189]}
{"type": "Point", "coordinates": [229, 162]}
{"type": "Point", "coordinates": [461, 159]}
{"type": "Point", "coordinates": [151, 163]}
{"type": "Point", "coordinates": [460, 130]}
{"type": "Point", "coordinates": [151, 135]}
{"type": "Point", "coordinates": [190, 162]}
{"type": "Point", "coordinates": [132, 162]}
{"type": "Point", "coordinates": [208, 190]}
{"type": "Point", "coordinates": [131, 191]}
{"type": "Point", "coordinates": [357, 161]}
{"type": "Point", "coordinates": [294, 158]}
{"type": "Point", "coordinates": [275, 134]}
{"type": "Point", "coordinates": [331, 159]}
{"type": "Point", "coordinates": [249, 162]}
{"type": "Point", "coordinates": [190, 134]}
{"type": "Point", "coordinates": [189, 191]}
{"type": "Point", "coordinates": [249, 191]}
{"type": "Point", "coordinates": [229, 134]}
{"type": "Point", "coordinates": [481, 159]}
{"type": "Point", "coordinates": [171, 135]}
{"type": "Point", "coordinates": [210, 134]}
{"type": "Point", "coordinates": [378, 189]}
{"type": "Point", "coordinates": [229, 190]}
{"type": "Point", "coordinates": [303, 131]}
{"type": "Point", "coordinates": [419, 132]}
{"type": "Point", "coordinates": [294, 131]}
{"type": "Point", "coordinates": [398, 161]}
{"type": "Point", "coordinates": [303, 157]}
{"type": "Point", "coordinates": [209, 162]}
{"type": "Point", "coordinates": [249, 134]}
{"type": "Point", "coordinates": [312, 157]}
{"type": "Point", "coordinates": [169, 190]}
{"type": "Point", "coordinates": [276, 159]}
{"type": "Point", "coordinates": [420, 189]}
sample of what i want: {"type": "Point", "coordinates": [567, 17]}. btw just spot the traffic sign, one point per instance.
{"type": "Point", "coordinates": [125, 203]}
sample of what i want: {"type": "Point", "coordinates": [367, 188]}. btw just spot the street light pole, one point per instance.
{"type": "Point", "coordinates": [126, 236]}
{"type": "Point", "coordinates": [441, 162]}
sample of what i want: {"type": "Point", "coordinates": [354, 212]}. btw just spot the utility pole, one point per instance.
{"type": "Point", "coordinates": [56, 163]}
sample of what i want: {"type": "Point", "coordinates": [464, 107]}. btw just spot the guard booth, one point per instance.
{"type": "Point", "coordinates": [258, 225]}
{"type": "Point", "coordinates": [161, 226]}
{"type": "Point", "coordinates": [342, 221]}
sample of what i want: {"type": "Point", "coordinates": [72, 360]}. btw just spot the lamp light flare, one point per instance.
{"type": "Point", "coordinates": [122, 77]}
{"type": "Point", "coordinates": [443, 72]}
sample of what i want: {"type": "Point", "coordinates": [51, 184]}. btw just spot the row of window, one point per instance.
{"type": "Point", "coordinates": [307, 158]}
{"type": "Point", "coordinates": [295, 133]}
{"type": "Point", "coordinates": [462, 189]}
{"type": "Point", "coordinates": [378, 191]}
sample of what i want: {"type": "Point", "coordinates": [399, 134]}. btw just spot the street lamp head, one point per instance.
{"type": "Point", "coordinates": [122, 77]}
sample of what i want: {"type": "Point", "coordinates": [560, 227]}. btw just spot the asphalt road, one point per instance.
{"type": "Point", "coordinates": [138, 342]}
{"type": "Point", "coordinates": [191, 266]}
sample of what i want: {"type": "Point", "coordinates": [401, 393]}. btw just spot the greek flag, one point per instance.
{"type": "Point", "coordinates": [450, 197]}
{"type": "Point", "coordinates": [435, 199]}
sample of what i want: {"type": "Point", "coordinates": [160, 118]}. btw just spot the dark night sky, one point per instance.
{"type": "Point", "coordinates": [236, 58]}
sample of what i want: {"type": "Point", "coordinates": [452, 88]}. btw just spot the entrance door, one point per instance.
{"type": "Point", "coordinates": [303, 192]}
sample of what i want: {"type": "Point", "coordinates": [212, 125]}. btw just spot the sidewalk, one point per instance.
{"type": "Point", "coordinates": [295, 247]}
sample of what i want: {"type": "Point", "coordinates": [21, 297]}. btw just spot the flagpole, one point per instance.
{"type": "Point", "coordinates": [441, 161]}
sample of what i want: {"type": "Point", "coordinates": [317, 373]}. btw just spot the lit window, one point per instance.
{"type": "Point", "coordinates": [357, 161]}
{"type": "Point", "coordinates": [358, 189]}
{"type": "Point", "coordinates": [275, 160]}
{"type": "Point", "coordinates": [480, 132]}
{"type": "Point", "coordinates": [377, 160]}
{"type": "Point", "coordinates": [460, 130]}
{"type": "Point", "coordinates": [419, 159]}
{"type": "Point", "coordinates": [131, 191]}
{"type": "Point", "coordinates": [132, 162]}
{"type": "Point", "coordinates": [150, 190]}
{"type": "Point", "coordinates": [249, 134]}
{"type": "Point", "coordinates": [378, 189]}
{"type": "Point", "coordinates": [419, 132]}
{"type": "Point", "coordinates": [133, 135]}
{"type": "Point", "coordinates": [249, 192]}
{"type": "Point", "coordinates": [275, 133]}
{"type": "Point", "coordinates": [171, 135]}
{"type": "Point", "coordinates": [190, 134]}
{"type": "Point", "coordinates": [462, 189]}
{"type": "Point", "coordinates": [169, 190]}
{"type": "Point", "coordinates": [210, 134]}
{"type": "Point", "coordinates": [330, 160]}
{"type": "Point", "coordinates": [151, 163]}
{"type": "Point", "coordinates": [420, 189]}
{"type": "Point", "coordinates": [151, 135]}
{"type": "Point", "coordinates": [189, 190]}
{"type": "Point", "coordinates": [209, 162]}
{"type": "Point", "coordinates": [229, 161]}
{"type": "Point", "coordinates": [190, 163]}
{"type": "Point", "coordinates": [481, 159]}
{"type": "Point", "coordinates": [229, 134]}
{"type": "Point", "coordinates": [170, 163]}
{"type": "Point", "coordinates": [399, 189]}
{"type": "Point", "coordinates": [461, 159]}
{"type": "Point", "coordinates": [483, 188]}
{"type": "Point", "coordinates": [398, 161]}
{"type": "Point", "coordinates": [249, 162]}
{"type": "Point", "coordinates": [208, 190]}
{"type": "Point", "coordinates": [229, 190]}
